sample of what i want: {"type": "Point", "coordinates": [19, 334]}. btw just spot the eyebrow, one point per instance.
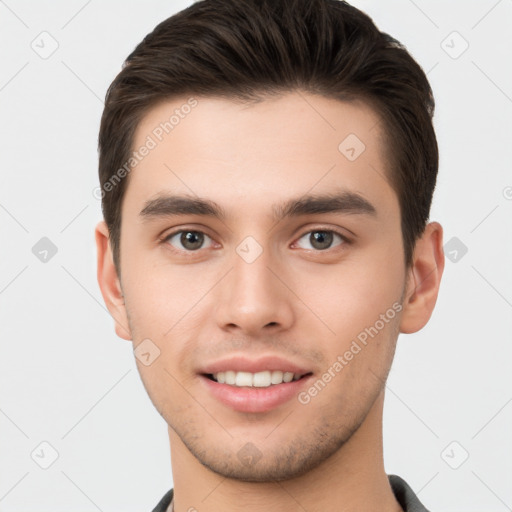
{"type": "Point", "coordinates": [344, 202]}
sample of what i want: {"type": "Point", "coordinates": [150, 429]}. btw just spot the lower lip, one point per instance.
{"type": "Point", "coordinates": [251, 399]}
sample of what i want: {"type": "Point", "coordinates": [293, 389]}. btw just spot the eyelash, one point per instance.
{"type": "Point", "coordinates": [345, 239]}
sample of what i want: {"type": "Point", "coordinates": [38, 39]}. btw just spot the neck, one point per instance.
{"type": "Point", "coordinates": [353, 479]}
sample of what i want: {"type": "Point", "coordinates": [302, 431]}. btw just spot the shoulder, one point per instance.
{"type": "Point", "coordinates": [405, 495]}
{"type": "Point", "coordinates": [164, 503]}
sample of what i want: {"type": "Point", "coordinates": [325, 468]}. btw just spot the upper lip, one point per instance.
{"type": "Point", "coordinates": [261, 364]}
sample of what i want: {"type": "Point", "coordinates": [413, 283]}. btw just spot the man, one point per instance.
{"type": "Point", "coordinates": [267, 169]}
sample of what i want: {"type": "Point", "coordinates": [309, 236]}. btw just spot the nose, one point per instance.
{"type": "Point", "coordinates": [252, 300]}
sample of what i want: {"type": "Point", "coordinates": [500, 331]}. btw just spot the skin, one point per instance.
{"type": "Point", "coordinates": [296, 301]}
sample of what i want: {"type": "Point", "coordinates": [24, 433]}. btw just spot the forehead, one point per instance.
{"type": "Point", "coordinates": [257, 153]}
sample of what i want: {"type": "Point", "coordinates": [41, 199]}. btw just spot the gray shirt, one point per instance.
{"type": "Point", "coordinates": [403, 494]}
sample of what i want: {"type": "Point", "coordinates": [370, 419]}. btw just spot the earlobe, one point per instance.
{"type": "Point", "coordinates": [109, 283]}
{"type": "Point", "coordinates": [424, 279]}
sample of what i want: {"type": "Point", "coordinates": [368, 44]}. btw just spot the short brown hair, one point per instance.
{"type": "Point", "coordinates": [249, 49]}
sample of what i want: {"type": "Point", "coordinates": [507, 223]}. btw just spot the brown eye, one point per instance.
{"type": "Point", "coordinates": [188, 240]}
{"type": "Point", "coordinates": [320, 240]}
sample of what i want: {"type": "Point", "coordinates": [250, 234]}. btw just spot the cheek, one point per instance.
{"type": "Point", "coordinates": [164, 305]}
{"type": "Point", "coordinates": [167, 388]}
{"type": "Point", "coordinates": [351, 296]}
{"type": "Point", "coordinates": [158, 295]}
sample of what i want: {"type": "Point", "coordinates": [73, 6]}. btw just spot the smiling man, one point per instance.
{"type": "Point", "coordinates": [267, 169]}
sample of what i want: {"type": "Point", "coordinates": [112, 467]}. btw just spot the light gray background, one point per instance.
{"type": "Point", "coordinates": [67, 380]}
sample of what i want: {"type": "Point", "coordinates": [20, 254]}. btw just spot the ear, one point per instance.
{"type": "Point", "coordinates": [423, 279]}
{"type": "Point", "coordinates": [109, 282]}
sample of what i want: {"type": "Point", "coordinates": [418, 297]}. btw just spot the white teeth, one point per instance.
{"type": "Point", "coordinates": [261, 379]}
{"type": "Point", "coordinates": [288, 377]}
{"type": "Point", "coordinates": [243, 379]}
{"type": "Point", "coordinates": [258, 380]}
{"type": "Point", "coordinates": [277, 377]}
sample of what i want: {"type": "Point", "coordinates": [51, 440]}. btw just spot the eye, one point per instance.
{"type": "Point", "coordinates": [320, 240]}
{"type": "Point", "coordinates": [188, 240]}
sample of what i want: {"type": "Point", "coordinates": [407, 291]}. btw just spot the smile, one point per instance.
{"type": "Point", "coordinates": [262, 379]}
{"type": "Point", "coordinates": [255, 392]}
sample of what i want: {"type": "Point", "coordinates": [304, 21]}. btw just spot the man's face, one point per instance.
{"type": "Point", "coordinates": [263, 287]}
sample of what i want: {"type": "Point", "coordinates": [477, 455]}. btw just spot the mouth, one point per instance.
{"type": "Point", "coordinates": [258, 392]}
{"type": "Point", "coordinates": [263, 379]}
